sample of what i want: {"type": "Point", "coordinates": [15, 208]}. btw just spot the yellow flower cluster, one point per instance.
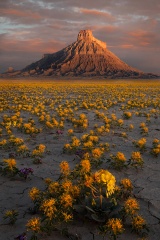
{"type": "Point", "coordinates": [97, 153]}
{"type": "Point", "coordinates": [64, 166]}
{"type": "Point", "coordinates": [131, 206]}
{"type": "Point", "coordinates": [53, 187]}
{"type": "Point", "coordinates": [11, 163]}
{"type": "Point", "coordinates": [66, 200]}
{"type": "Point", "coordinates": [34, 224]}
{"type": "Point", "coordinates": [67, 217]}
{"type": "Point", "coordinates": [141, 143]}
{"type": "Point", "coordinates": [127, 115]}
{"type": "Point", "coordinates": [106, 178]}
{"type": "Point", "coordinates": [115, 226]}
{"type": "Point", "coordinates": [39, 150]}
{"type": "Point", "coordinates": [156, 147]}
{"type": "Point", "coordinates": [34, 193]}
{"type": "Point", "coordinates": [126, 184]}
{"type": "Point", "coordinates": [138, 223]}
{"type": "Point", "coordinates": [85, 165]}
{"type": "Point", "coordinates": [48, 207]}
{"type": "Point", "coordinates": [136, 159]}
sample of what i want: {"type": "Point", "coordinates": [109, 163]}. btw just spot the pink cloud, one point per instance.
{"type": "Point", "coordinates": [30, 45]}
{"type": "Point", "coordinates": [95, 12]}
{"type": "Point", "coordinates": [129, 46]}
{"type": "Point", "coordinates": [19, 13]}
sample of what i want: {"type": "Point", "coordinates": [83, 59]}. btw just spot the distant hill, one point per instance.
{"type": "Point", "coordinates": [87, 57]}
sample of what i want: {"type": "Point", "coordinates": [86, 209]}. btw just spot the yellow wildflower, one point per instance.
{"type": "Point", "coordinates": [67, 185]}
{"type": "Point", "coordinates": [67, 217]}
{"type": "Point", "coordinates": [66, 200]}
{"type": "Point", "coordinates": [115, 226]}
{"type": "Point", "coordinates": [86, 166]}
{"type": "Point", "coordinates": [11, 163]}
{"type": "Point", "coordinates": [126, 184]}
{"type": "Point", "coordinates": [48, 208]}
{"type": "Point", "coordinates": [138, 223]}
{"type": "Point", "coordinates": [131, 206]}
{"type": "Point", "coordinates": [64, 166]}
{"type": "Point", "coordinates": [97, 153]}
{"type": "Point", "coordinates": [34, 193]}
{"type": "Point", "coordinates": [120, 156]}
{"type": "Point", "coordinates": [88, 144]}
{"type": "Point", "coordinates": [106, 178]}
{"type": "Point", "coordinates": [53, 187]}
{"type": "Point", "coordinates": [34, 224]}
{"type": "Point", "coordinates": [70, 131]}
{"type": "Point", "coordinates": [88, 181]}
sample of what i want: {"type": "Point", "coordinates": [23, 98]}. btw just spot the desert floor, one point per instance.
{"type": "Point", "coordinates": [52, 99]}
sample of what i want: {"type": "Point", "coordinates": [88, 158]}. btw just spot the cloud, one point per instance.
{"type": "Point", "coordinates": [94, 12]}
{"type": "Point", "coordinates": [31, 28]}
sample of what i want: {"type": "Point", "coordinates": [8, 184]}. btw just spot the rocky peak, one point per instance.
{"type": "Point", "coordinates": [87, 36]}
{"type": "Point", "coordinates": [87, 56]}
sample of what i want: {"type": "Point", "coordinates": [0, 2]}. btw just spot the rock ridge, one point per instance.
{"type": "Point", "coordinates": [86, 57]}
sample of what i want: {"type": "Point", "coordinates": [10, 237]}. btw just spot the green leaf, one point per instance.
{"type": "Point", "coordinates": [90, 209]}
{"type": "Point", "coordinates": [98, 218]}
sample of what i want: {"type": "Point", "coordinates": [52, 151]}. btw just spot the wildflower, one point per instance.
{"type": "Point", "coordinates": [3, 142]}
{"type": "Point", "coordinates": [53, 187]}
{"type": "Point", "coordinates": [124, 134]}
{"type": "Point", "coordinates": [67, 185]}
{"type": "Point", "coordinates": [59, 132]}
{"type": "Point", "coordinates": [105, 177]}
{"type": "Point", "coordinates": [126, 184]}
{"type": "Point", "coordinates": [11, 163]}
{"type": "Point", "coordinates": [34, 193]}
{"type": "Point", "coordinates": [48, 181]}
{"type": "Point", "coordinates": [115, 226]}
{"type": "Point", "coordinates": [131, 206]}
{"type": "Point", "coordinates": [48, 207]}
{"type": "Point", "coordinates": [86, 166]}
{"type": "Point", "coordinates": [131, 127]}
{"type": "Point", "coordinates": [120, 156]}
{"type": "Point", "coordinates": [127, 115]}
{"type": "Point", "coordinates": [75, 191]}
{"type": "Point", "coordinates": [97, 153]}
{"type": "Point", "coordinates": [64, 166]}
{"type": "Point", "coordinates": [11, 215]}
{"type": "Point", "coordinates": [156, 151]}
{"type": "Point", "coordinates": [66, 200]}
{"type": "Point", "coordinates": [118, 160]}
{"type": "Point", "coordinates": [41, 148]}
{"type": "Point", "coordinates": [136, 159]}
{"type": "Point", "coordinates": [155, 142]}
{"type": "Point", "coordinates": [67, 147]}
{"type": "Point", "coordinates": [34, 224]}
{"type": "Point", "coordinates": [120, 122]}
{"type": "Point", "coordinates": [141, 143]}
{"type": "Point", "coordinates": [88, 144]}
{"type": "Point", "coordinates": [82, 116]}
{"type": "Point", "coordinates": [70, 132]}
{"type": "Point", "coordinates": [67, 217]}
{"type": "Point", "coordinates": [75, 142]}
{"type": "Point", "coordinates": [142, 125]}
{"type": "Point", "coordinates": [22, 236]}
{"type": "Point", "coordinates": [88, 181]}
{"type": "Point", "coordinates": [138, 223]}
{"type": "Point", "coordinates": [24, 172]}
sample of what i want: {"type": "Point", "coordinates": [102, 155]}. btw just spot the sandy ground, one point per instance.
{"type": "Point", "coordinates": [146, 181]}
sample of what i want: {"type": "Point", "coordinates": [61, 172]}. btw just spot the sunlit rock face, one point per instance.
{"type": "Point", "coordinates": [87, 56]}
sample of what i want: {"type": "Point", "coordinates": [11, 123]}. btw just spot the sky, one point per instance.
{"type": "Point", "coordinates": [30, 28]}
